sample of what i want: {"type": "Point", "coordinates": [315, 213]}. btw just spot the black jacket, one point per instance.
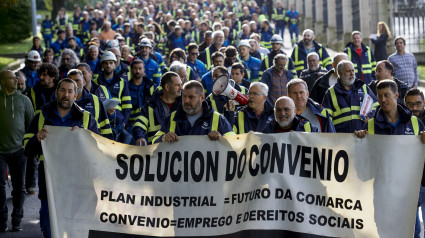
{"type": "Point", "coordinates": [317, 93]}
{"type": "Point", "coordinates": [310, 77]}
{"type": "Point", "coordinates": [402, 89]}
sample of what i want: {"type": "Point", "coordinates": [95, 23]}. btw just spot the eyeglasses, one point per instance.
{"type": "Point", "coordinates": [194, 53]}
{"type": "Point", "coordinates": [255, 94]}
{"type": "Point", "coordinates": [66, 59]}
{"type": "Point", "coordinates": [414, 104]}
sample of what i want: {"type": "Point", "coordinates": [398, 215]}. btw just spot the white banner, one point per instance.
{"type": "Point", "coordinates": [252, 185]}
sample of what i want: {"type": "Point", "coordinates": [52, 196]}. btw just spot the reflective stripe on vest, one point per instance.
{"type": "Point", "coordinates": [214, 126]}
{"type": "Point", "coordinates": [307, 127]}
{"type": "Point", "coordinates": [96, 109]}
{"type": "Point", "coordinates": [152, 126]}
{"type": "Point", "coordinates": [241, 123]}
{"type": "Point", "coordinates": [207, 54]}
{"type": "Point", "coordinates": [338, 111]}
{"type": "Point", "coordinates": [188, 72]}
{"type": "Point", "coordinates": [413, 119]}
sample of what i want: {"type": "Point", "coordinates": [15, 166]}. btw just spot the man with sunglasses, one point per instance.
{"type": "Point", "coordinates": [192, 61]}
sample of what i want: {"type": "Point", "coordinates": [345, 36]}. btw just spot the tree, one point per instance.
{"type": "Point", "coordinates": [15, 20]}
{"type": "Point", "coordinates": [57, 5]}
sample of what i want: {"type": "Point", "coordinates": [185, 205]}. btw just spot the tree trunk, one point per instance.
{"type": "Point", "coordinates": [57, 4]}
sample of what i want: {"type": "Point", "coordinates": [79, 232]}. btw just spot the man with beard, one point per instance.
{"type": "Point", "coordinates": [61, 112]}
{"type": "Point", "coordinates": [218, 41]}
{"type": "Point", "coordinates": [314, 70]}
{"type": "Point", "coordinates": [44, 91]}
{"type": "Point", "coordinates": [162, 103]}
{"type": "Point", "coordinates": [91, 103]}
{"type": "Point", "coordinates": [193, 117]}
{"type": "Point", "coordinates": [343, 101]}
{"type": "Point", "coordinates": [141, 89]}
{"type": "Point", "coordinates": [414, 100]}
{"type": "Point", "coordinates": [306, 46]}
{"type": "Point", "coordinates": [286, 119]}
{"type": "Point", "coordinates": [307, 108]}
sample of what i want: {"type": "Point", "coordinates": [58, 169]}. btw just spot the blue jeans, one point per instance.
{"type": "Point", "coordinates": [45, 219]}
{"type": "Point", "coordinates": [16, 162]}
{"type": "Point", "coordinates": [48, 40]}
{"type": "Point", "coordinates": [280, 30]}
{"type": "Point", "coordinates": [293, 29]}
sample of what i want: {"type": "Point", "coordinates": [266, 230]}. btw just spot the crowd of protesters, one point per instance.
{"type": "Point", "coordinates": [143, 72]}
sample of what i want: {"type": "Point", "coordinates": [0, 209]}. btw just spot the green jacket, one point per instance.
{"type": "Point", "coordinates": [16, 113]}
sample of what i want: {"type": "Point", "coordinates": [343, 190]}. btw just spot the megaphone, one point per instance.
{"type": "Point", "coordinates": [222, 86]}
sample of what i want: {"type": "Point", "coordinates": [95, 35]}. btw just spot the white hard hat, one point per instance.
{"type": "Point", "coordinates": [276, 39]}
{"type": "Point", "coordinates": [244, 43]}
{"type": "Point", "coordinates": [33, 55]}
{"type": "Point", "coordinates": [112, 44]}
{"type": "Point", "coordinates": [145, 42]}
{"type": "Point", "coordinates": [108, 55]}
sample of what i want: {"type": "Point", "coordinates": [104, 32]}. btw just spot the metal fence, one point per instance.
{"type": "Point", "coordinates": [409, 22]}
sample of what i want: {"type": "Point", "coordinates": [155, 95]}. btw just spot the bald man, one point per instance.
{"type": "Point", "coordinates": [286, 118]}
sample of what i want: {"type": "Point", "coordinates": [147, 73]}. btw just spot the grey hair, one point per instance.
{"type": "Point", "coordinates": [19, 74]}
{"type": "Point", "coordinates": [253, 40]}
{"type": "Point", "coordinates": [308, 30]}
{"type": "Point", "coordinates": [93, 47]}
{"type": "Point", "coordinates": [176, 66]}
{"type": "Point", "coordinates": [337, 55]}
{"type": "Point", "coordinates": [75, 72]}
{"type": "Point", "coordinates": [296, 81]}
{"type": "Point", "coordinates": [279, 56]}
{"type": "Point", "coordinates": [341, 66]}
{"type": "Point", "coordinates": [71, 53]}
{"type": "Point", "coordinates": [263, 87]}
{"type": "Point", "coordinates": [313, 53]}
{"type": "Point", "coordinates": [217, 32]}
